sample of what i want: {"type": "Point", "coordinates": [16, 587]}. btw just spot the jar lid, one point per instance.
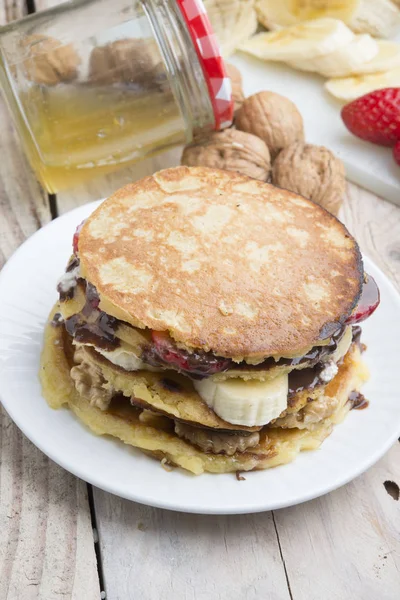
{"type": "Point", "coordinates": [209, 54]}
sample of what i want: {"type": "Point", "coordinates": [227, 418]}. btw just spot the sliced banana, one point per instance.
{"type": "Point", "coordinates": [300, 42]}
{"type": "Point", "coordinates": [343, 346]}
{"type": "Point", "coordinates": [246, 403]}
{"type": "Point", "coordinates": [388, 58]}
{"type": "Point", "coordinates": [350, 88]}
{"type": "Point", "coordinates": [380, 18]}
{"type": "Point", "coordinates": [290, 12]}
{"type": "Point", "coordinates": [343, 61]}
{"type": "Point", "coordinates": [233, 21]}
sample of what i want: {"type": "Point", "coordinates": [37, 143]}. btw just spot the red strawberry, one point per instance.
{"type": "Point", "coordinates": [75, 239]}
{"type": "Point", "coordinates": [375, 117]}
{"type": "Point", "coordinates": [368, 302]}
{"type": "Point", "coordinates": [396, 152]}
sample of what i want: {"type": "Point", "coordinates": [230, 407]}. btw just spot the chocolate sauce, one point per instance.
{"type": "Point", "coordinates": [358, 401]}
{"type": "Point", "coordinates": [99, 332]}
{"type": "Point", "coordinates": [170, 385]}
{"type": "Point", "coordinates": [313, 357]}
{"type": "Point", "coordinates": [198, 365]}
{"type": "Point", "coordinates": [73, 263]}
{"type": "Point", "coordinates": [302, 379]}
{"type": "Point", "coordinates": [356, 331]}
{"type": "Point", "coordinates": [57, 320]}
{"type": "Point", "coordinates": [195, 364]}
{"type": "Point", "coordinates": [68, 293]}
{"type": "Point", "coordinates": [330, 329]}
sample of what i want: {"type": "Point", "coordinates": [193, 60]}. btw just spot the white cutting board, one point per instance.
{"type": "Point", "coordinates": [368, 165]}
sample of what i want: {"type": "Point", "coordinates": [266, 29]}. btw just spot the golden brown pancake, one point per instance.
{"type": "Point", "coordinates": [222, 262]}
{"type": "Point", "coordinates": [276, 446]}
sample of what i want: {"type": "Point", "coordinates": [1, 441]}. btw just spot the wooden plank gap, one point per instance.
{"type": "Point", "coordinates": [281, 555]}
{"type": "Point", "coordinates": [53, 206]}
{"type": "Point", "coordinates": [96, 539]}
{"type": "Point", "coordinates": [30, 6]}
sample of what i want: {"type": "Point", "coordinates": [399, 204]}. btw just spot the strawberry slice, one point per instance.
{"type": "Point", "coordinates": [75, 239]}
{"type": "Point", "coordinates": [367, 304]}
{"type": "Point", "coordinates": [396, 152]}
{"type": "Point", "coordinates": [196, 363]}
{"type": "Point", "coordinates": [375, 117]}
{"type": "Point", "coordinates": [167, 351]}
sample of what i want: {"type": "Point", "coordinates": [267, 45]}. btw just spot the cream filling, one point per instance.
{"type": "Point", "coordinates": [123, 357]}
{"type": "Point", "coordinates": [68, 280]}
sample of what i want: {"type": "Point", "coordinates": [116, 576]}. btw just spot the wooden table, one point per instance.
{"type": "Point", "coordinates": [60, 537]}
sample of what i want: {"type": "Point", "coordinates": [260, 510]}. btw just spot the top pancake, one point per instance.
{"type": "Point", "coordinates": [223, 262]}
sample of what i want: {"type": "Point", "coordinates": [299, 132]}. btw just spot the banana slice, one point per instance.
{"type": "Point", "coordinates": [233, 21]}
{"type": "Point", "coordinates": [246, 403]}
{"type": "Point", "coordinates": [350, 88]}
{"type": "Point", "coordinates": [300, 42]}
{"type": "Point", "coordinates": [388, 58]}
{"type": "Point", "coordinates": [283, 13]}
{"type": "Point", "coordinates": [380, 18]}
{"type": "Point", "coordinates": [344, 61]}
{"type": "Point", "coordinates": [343, 346]}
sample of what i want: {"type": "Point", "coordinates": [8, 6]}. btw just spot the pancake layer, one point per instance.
{"type": "Point", "coordinates": [251, 270]}
{"type": "Point", "coordinates": [155, 434]}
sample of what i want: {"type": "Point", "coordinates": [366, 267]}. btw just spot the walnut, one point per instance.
{"type": "Point", "coordinates": [273, 118]}
{"type": "Point", "coordinates": [231, 150]}
{"type": "Point", "coordinates": [48, 62]}
{"type": "Point", "coordinates": [313, 172]}
{"type": "Point", "coordinates": [236, 80]}
{"type": "Point", "coordinates": [125, 61]}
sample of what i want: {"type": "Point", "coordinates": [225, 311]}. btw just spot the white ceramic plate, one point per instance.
{"type": "Point", "coordinates": [27, 293]}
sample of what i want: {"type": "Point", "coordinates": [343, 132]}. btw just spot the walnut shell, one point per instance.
{"type": "Point", "coordinates": [236, 80]}
{"type": "Point", "coordinates": [313, 172]}
{"type": "Point", "coordinates": [231, 150]}
{"type": "Point", "coordinates": [273, 118]}
{"type": "Point", "coordinates": [124, 61]}
{"type": "Point", "coordinates": [48, 62]}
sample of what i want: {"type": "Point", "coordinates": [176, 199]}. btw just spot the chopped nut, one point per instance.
{"type": "Point", "coordinates": [125, 61]}
{"type": "Point", "coordinates": [236, 81]}
{"type": "Point", "coordinates": [49, 62]}
{"type": "Point", "coordinates": [273, 118]}
{"type": "Point", "coordinates": [313, 172]}
{"type": "Point", "coordinates": [231, 150]}
{"type": "Point", "coordinates": [217, 442]}
{"type": "Point", "coordinates": [89, 382]}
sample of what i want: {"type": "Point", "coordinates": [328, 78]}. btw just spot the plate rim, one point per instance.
{"type": "Point", "coordinates": [167, 503]}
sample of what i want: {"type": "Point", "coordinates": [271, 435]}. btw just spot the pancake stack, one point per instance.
{"type": "Point", "coordinates": [209, 320]}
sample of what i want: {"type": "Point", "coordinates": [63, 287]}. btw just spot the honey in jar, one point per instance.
{"type": "Point", "coordinates": [94, 91]}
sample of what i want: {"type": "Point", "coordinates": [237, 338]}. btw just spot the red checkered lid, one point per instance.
{"type": "Point", "coordinates": [212, 63]}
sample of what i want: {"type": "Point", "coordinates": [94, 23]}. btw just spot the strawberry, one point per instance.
{"type": "Point", "coordinates": [368, 302]}
{"type": "Point", "coordinates": [375, 117]}
{"type": "Point", "coordinates": [75, 239]}
{"type": "Point", "coordinates": [198, 363]}
{"type": "Point", "coordinates": [396, 152]}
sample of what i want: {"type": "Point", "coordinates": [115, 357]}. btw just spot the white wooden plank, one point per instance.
{"type": "Point", "coordinates": [346, 545]}
{"type": "Point", "coordinates": [46, 549]}
{"type": "Point", "coordinates": [10, 10]}
{"type": "Point", "coordinates": [46, 538]}
{"type": "Point", "coordinates": [376, 225]}
{"type": "Point", "coordinates": [152, 554]}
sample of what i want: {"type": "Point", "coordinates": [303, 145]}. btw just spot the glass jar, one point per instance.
{"type": "Point", "coordinates": [94, 85]}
